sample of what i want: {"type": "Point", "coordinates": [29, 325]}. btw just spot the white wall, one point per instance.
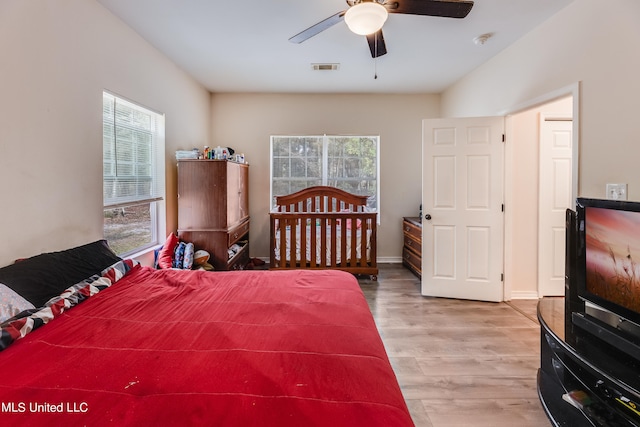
{"type": "Point", "coordinates": [590, 41]}
{"type": "Point", "coordinates": [246, 121]}
{"type": "Point", "coordinates": [57, 58]}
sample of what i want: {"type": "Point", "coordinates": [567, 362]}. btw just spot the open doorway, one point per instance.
{"type": "Point", "coordinates": [540, 185]}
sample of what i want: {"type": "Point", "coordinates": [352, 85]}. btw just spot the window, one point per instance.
{"type": "Point", "coordinates": [346, 162]}
{"type": "Point", "coordinates": [133, 175]}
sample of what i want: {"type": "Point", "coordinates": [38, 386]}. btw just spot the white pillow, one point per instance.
{"type": "Point", "coordinates": [11, 303]}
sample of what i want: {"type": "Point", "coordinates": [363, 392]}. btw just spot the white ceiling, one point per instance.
{"type": "Point", "coordinates": [242, 46]}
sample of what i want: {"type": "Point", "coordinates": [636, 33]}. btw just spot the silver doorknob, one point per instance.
{"type": "Point", "coordinates": [427, 217]}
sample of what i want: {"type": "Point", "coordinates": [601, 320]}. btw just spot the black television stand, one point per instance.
{"type": "Point", "coordinates": [606, 333]}
{"type": "Point", "coordinates": [584, 380]}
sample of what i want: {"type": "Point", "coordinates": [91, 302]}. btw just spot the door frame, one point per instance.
{"type": "Point", "coordinates": [572, 90]}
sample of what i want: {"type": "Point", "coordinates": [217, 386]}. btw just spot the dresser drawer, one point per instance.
{"type": "Point", "coordinates": [237, 233]}
{"type": "Point", "coordinates": [411, 260]}
{"type": "Point", "coordinates": [412, 230]}
{"type": "Point", "coordinates": [413, 245]}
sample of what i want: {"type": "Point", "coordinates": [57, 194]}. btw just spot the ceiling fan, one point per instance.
{"type": "Point", "coordinates": [366, 17]}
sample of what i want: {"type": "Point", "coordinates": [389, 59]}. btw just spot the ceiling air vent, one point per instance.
{"type": "Point", "coordinates": [325, 67]}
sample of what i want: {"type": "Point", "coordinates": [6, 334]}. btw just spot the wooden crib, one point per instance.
{"type": "Point", "coordinates": [308, 228]}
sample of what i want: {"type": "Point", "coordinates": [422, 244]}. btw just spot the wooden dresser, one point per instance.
{"type": "Point", "coordinates": [213, 210]}
{"type": "Point", "coordinates": [412, 249]}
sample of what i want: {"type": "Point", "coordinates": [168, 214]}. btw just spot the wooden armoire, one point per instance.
{"type": "Point", "coordinates": [213, 210]}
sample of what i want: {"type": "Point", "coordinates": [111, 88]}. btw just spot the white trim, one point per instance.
{"type": "Point", "coordinates": [379, 260]}
{"type": "Point", "coordinates": [389, 260]}
{"type": "Point", "coordinates": [524, 295]}
{"type": "Point", "coordinates": [572, 89]}
{"type": "Point", "coordinates": [132, 102]}
{"type": "Point", "coordinates": [508, 217]}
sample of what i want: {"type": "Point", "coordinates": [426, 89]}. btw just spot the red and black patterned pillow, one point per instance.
{"type": "Point", "coordinates": [26, 321]}
{"type": "Point", "coordinates": [42, 277]}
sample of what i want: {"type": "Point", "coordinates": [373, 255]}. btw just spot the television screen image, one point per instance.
{"type": "Point", "coordinates": [612, 249]}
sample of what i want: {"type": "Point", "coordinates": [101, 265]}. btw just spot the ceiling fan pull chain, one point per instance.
{"type": "Point", "coordinates": [375, 58]}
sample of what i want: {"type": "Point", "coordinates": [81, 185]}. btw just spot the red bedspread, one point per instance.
{"type": "Point", "coordinates": [180, 348]}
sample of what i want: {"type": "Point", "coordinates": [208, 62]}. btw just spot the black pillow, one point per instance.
{"type": "Point", "coordinates": [42, 277]}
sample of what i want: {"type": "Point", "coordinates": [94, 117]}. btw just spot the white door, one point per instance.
{"type": "Point", "coordinates": [556, 166]}
{"type": "Point", "coordinates": [462, 208]}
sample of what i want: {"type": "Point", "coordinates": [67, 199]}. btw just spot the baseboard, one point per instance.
{"type": "Point", "coordinates": [524, 295]}
{"type": "Point", "coordinates": [381, 260]}
{"type": "Point", "coordinates": [389, 260]}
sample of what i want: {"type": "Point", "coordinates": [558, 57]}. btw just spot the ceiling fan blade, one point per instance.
{"type": "Point", "coordinates": [443, 8]}
{"type": "Point", "coordinates": [318, 28]}
{"type": "Point", "coordinates": [376, 44]}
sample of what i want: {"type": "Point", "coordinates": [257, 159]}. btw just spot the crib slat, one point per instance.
{"type": "Point", "coordinates": [364, 228]}
{"type": "Point", "coordinates": [323, 242]}
{"type": "Point", "coordinates": [332, 241]}
{"type": "Point", "coordinates": [303, 241]}
{"type": "Point", "coordinates": [294, 238]}
{"type": "Point", "coordinates": [274, 239]}
{"type": "Point", "coordinates": [313, 261]}
{"type": "Point", "coordinates": [313, 236]}
{"type": "Point", "coordinates": [354, 243]}
{"type": "Point", "coordinates": [343, 242]}
{"type": "Point", "coordinates": [373, 252]}
{"type": "Point", "coordinates": [283, 242]}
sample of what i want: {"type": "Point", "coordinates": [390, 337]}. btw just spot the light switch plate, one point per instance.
{"type": "Point", "coordinates": [617, 191]}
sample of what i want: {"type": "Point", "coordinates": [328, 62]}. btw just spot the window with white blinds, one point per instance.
{"type": "Point", "coordinates": [133, 153]}
{"type": "Point", "coordinates": [350, 163]}
{"type": "Point", "coordinates": [133, 175]}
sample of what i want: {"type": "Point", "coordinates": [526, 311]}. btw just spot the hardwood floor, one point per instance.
{"type": "Point", "coordinates": [459, 363]}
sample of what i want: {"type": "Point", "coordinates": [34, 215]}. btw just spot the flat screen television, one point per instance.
{"type": "Point", "coordinates": [608, 262]}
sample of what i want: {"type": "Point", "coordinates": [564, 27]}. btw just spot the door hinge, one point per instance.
{"type": "Point", "coordinates": [502, 277]}
{"type": "Point", "coordinates": [503, 138]}
{"type": "Point", "coordinates": [503, 207]}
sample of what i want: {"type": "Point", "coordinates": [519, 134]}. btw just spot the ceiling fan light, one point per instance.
{"type": "Point", "coordinates": [366, 18]}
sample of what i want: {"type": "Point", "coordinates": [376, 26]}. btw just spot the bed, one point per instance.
{"type": "Point", "coordinates": [132, 346]}
{"type": "Point", "coordinates": [323, 227]}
